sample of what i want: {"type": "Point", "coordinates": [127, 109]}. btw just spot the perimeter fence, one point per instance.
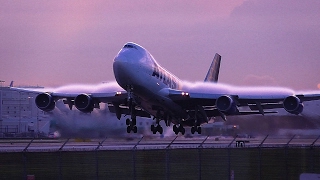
{"type": "Point", "coordinates": [170, 158]}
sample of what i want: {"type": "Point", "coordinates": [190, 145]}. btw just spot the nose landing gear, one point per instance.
{"type": "Point", "coordinates": [131, 124]}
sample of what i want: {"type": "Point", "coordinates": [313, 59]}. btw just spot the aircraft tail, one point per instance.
{"type": "Point", "coordinates": [213, 72]}
{"type": "Point", "coordinates": [11, 84]}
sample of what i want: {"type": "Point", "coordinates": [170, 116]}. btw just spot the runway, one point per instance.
{"type": "Point", "coordinates": [175, 142]}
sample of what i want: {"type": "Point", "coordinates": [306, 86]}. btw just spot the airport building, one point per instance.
{"type": "Point", "coordinates": [19, 116]}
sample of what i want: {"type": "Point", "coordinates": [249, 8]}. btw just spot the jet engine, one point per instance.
{"type": "Point", "coordinates": [45, 102]}
{"type": "Point", "coordinates": [84, 103]}
{"type": "Point", "coordinates": [293, 105]}
{"type": "Point", "coordinates": [226, 104]}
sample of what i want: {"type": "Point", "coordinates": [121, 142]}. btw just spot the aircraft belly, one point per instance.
{"type": "Point", "coordinates": [152, 103]}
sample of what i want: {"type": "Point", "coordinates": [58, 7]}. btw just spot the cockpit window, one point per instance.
{"type": "Point", "coordinates": [129, 46]}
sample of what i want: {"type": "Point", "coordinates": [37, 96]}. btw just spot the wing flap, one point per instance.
{"type": "Point", "coordinates": [308, 97]}
{"type": "Point", "coordinates": [216, 113]}
{"type": "Point", "coordinates": [125, 110]}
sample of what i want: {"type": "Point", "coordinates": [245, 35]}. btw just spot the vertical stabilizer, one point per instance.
{"type": "Point", "coordinates": [11, 84]}
{"type": "Point", "coordinates": [213, 72]}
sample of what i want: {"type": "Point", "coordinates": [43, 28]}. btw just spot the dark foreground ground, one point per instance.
{"type": "Point", "coordinates": [198, 163]}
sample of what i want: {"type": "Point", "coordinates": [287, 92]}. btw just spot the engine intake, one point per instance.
{"type": "Point", "coordinates": [45, 102]}
{"type": "Point", "coordinates": [84, 103]}
{"type": "Point", "coordinates": [293, 105]}
{"type": "Point", "coordinates": [226, 104]}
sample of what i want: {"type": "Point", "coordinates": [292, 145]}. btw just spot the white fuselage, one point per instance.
{"type": "Point", "coordinates": [135, 68]}
{"type": "Point", "coordinates": [149, 84]}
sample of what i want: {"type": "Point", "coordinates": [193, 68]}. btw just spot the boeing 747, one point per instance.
{"type": "Point", "coordinates": [149, 90]}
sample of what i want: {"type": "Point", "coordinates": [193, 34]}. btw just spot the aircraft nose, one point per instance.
{"type": "Point", "coordinates": [121, 70]}
{"type": "Point", "coordinates": [121, 58]}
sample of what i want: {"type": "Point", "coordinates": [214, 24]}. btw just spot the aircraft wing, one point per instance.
{"type": "Point", "coordinates": [117, 96]}
{"type": "Point", "coordinates": [228, 104]}
{"type": "Point", "coordinates": [105, 92]}
{"type": "Point", "coordinates": [84, 99]}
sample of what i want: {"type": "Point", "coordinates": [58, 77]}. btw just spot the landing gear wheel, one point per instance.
{"type": "Point", "coordinates": [128, 129]}
{"type": "Point", "coordinates": [199, 130]}
{"type": "Point", "coordinates": [156, 129]}
{"type": "Point", "coordinates": [193, 130]}
{"type": "Point", "coordinates": [135, 129]}
{"type": "Point", "coordinates": [131, 125]}
{"type": "Point", "coordinates": [153, 129]}
{"type": "Point", "coordinates": [128, 122]}
{"type": "Point", "coordinates": [182, 130]}
{"type": "Point", "coordinates": [175, 129]}
{"type": "Point", "coordinates": [134, 121]}
{"type": "Point", "coordinates": [160, 129]}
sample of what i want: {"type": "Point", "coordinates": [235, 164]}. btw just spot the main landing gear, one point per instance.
{"type": "Point", "coordinates": [177, 129]}
{"type": "Point", "coordinates": [195, 129]}
{"type": "Point", "coordinates": [131, 125]}
{"type": "Point", "coordinates": [157, 127]}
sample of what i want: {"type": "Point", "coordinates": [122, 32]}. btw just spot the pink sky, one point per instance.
{"type": "Point", "coordinates": [54, 43]}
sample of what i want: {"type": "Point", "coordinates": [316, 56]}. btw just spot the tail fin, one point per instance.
{"type": "Point", "coordinates": [11, 84]}
{"type": "Point", "coordinates": [213, 72]}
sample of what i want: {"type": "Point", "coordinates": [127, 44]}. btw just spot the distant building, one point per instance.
{"type": "Point", "coordinates": [19, 114]}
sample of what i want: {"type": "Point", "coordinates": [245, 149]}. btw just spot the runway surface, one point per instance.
{"type": "Point", "coordinates": [43, 145]}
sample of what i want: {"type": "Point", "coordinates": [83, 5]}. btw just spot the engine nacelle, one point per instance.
{"type": "Point", "coordinates": [45, 102]}
{"type": "Point", "coordinates": [293, 105]}
{"type": "Point", "coordinates": [226, 104]}
{"type": "Point", "coordinates": [84, 103]}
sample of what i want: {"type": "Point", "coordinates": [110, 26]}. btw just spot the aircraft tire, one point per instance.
{"type": "Point", "coordinates": [175, 129]}
{"type": "Point", "coordinates": [128, 129]}
{"type": "Point", "coordinates": [160, 129]}
{"type": "Point", "coordinates": [128, 122]}
{"type": "Point", "coordinates": [199, 130]}
{"type": "Point", "coordinates": [193, 130]}
{"type": "Point", "coordinates": [182, 130]}
{"type": "Point", "coordinates": [135, 129]}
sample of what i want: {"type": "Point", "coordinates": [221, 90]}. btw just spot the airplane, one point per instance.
{"type": "Point", "coordinates": [149, 90]}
